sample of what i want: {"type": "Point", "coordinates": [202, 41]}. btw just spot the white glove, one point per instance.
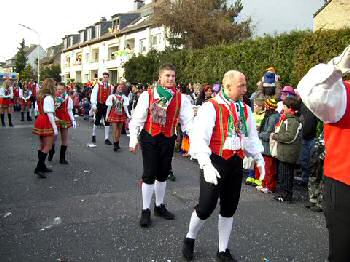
{"type": "Point", "coordinates": [210, 174]}
{"type": "Point", "coordinates": [342, 62]}
{"type": "Point", "coordinates": [74, 124]}
{"type": "Point", "coordinates": [55, 131]}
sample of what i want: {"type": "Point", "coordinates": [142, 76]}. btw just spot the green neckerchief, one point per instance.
{"type": "Point", "coordinates": [242, 125]}
{"type": "Point", "coordinates": [165, 95]}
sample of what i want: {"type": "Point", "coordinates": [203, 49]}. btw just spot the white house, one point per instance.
{"type": "Point", "coordinates": [32, 53]}
{"type": "Point", "coordinates": [107, 45]}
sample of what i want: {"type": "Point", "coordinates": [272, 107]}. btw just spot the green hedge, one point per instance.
{"type": "Point", "coordinates": [292, 54]}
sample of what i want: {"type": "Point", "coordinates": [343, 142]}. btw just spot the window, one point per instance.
{"type": "Point", "coordinates": [82, 37]}
{"type": "Point", "coordinates": [97, 31]}
{"type": "Point", "coordinates": [89, 34]}
{"type": "Point", "coordinates": [115, 24]}
{"type": "Point", "coordinates": [143, 45]}
{"type": "Point", "coordinates": [71, 41]}
{"type": "Point", "coordinates": [87, 55]}
{"type": "Point", "coordinates": [65, 43]}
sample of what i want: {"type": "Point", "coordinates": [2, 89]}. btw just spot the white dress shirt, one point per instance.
{"type": "Point", "coordinates": [323, 92]}
{"type": "Point", "coordinates": [3, 93]}
{"type": "Point", "coordinates": [202, 130]}
{"type": "Point", "coordinates": [141, 111]}
{"type": "Point", "coordinates": [29, 93]}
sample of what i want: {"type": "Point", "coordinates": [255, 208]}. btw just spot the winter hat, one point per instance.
{"type": "Point", "coordinates": [271, 69]}
{"type": "Point", "coordinates": [271, 103]}
{"type": "Point", "coordinates": [288, 90]}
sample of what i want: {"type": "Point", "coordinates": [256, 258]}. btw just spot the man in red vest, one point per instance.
{"type": "Point", "coordinates": [325, 93]}
{"type": "Point", "coordinates": [154, 120]}
{"type": "Point", "coordinates": [223, 132]}
{"type": "Point", "coordinates": [99, 95]}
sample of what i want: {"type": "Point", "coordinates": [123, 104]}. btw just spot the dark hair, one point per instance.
{"type": "Point", "coordinates": [167, 67]}
{"type": "Point", "coordinates": [105, 74]}
{"type": "Point", "coordinates": [292, 103]}
{"type": "Point", "coordinates": [60, 84]}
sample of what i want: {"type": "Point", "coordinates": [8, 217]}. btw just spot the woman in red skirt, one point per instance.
{"type": "Point", "coordinates": [64, 120]}
{"type": "Point", "coordinates": [45, 126]}
{"type": "Point", "coordinates": [25, 95]}
{"type": "Point", "coordinates": [117, 113]}
{"type": "Point", "coordinates": [6, 96]}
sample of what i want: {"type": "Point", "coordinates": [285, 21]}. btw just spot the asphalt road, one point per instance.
{"type": "Point", "coordinates": [89, 210]}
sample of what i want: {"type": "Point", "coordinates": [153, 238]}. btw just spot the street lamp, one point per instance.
{"type": "Point", "coordinates": [36, 32]}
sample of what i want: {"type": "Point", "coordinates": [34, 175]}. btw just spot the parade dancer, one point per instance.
{"type": "Point", "coordinates": [26, 103]}
{"type": "Point", "coordinates": [64, 120]}
{"type": "Point", "coordinates": [156, 116]}
{"type": "Point", "coordinates": [327, 96]}
{"type": "Point", "coordinates": [6, 96]}
{"type": "Point", "coordinates": [45, 126]}
{"type": "Point", "coordinates": [117, 113]}
{"type": "Point", "coordinates": [99, 95]}
{"type": "Point", "coordinates": [223, 132]}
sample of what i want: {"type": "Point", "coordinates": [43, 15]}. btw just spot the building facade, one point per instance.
{"type": "Point", "coordinates": [108, 44]}
{"type": "Point", "coordinates": [333, 15]}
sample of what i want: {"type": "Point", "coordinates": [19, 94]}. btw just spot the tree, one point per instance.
{"type": "Point", "coordinates": [201, 23]}
{"type": "Point", "coordinates": [27, 73]}
{"type": "Point", "coordinates": [21, 59]}
{"type": "Point", "coordinates": [53, 71]}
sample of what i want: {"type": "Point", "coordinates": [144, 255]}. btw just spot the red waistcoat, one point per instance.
{"type": "Point", "coordinates": [172, 115]}
{"type": "Point", "coordinates": [337, 141]}
{"type": "Point", "coordinates": [103, 93]}
{"type": "Point", "coordinates": [220, 131]}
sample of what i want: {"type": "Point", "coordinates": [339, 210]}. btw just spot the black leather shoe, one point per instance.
{"type": "Point", "coordinates": [145, 220]}
{"type": "Point", "coordinates": [40, 173]}
{"type": "Point", "coordinates": [107, 142]}
{"type": "Point", "coordinates": [161, 211]}
{"type": "Point", "coordinates": [225, 256]}
{"type": "Point", "coordinates": [188, 249]}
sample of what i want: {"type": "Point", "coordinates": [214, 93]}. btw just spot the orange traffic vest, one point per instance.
{"type": "Point", "coordinates": [172, 116]}
{"type": "Point", "coordinates": [337, 141]}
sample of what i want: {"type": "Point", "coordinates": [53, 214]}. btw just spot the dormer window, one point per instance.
{"type": "Point", "coordinates": [98, 31]}
{"type": "Point", "coordinates": [82, 37]}
{"type": "Point", "coordinates": [115, 23]}
{"type": "Point", "coordinates": [89, 34]}
{"type": "Point", "coordinates": [70, 40]}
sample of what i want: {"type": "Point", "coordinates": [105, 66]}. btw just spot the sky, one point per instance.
{"type": "Point", "coordinates": [55, 18]}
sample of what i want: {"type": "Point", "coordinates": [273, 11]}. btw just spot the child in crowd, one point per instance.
{"type": "Point", "coordinates": [267, 126]}
{"type": "Point", "coordinates": [288, 136]}
{"type": "Point", "coordinates": [253, 178]}
{"type": "Point", "coordinates": [86, 108]}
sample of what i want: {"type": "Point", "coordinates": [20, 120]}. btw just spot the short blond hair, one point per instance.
{"type": "Point", "coordinates": [229, 77]}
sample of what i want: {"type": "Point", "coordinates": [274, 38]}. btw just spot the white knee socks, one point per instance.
{"type": "Point", "coordinates": [159, 188]}
{"type": "Point", "coordinates": [195, 225]}
{"type": "Point", "coordinates": [147, 192]}
{"type": "Point", "coordinates": [106, 132]}
{"type": "Point", "coordinates": [224, 228]}
{"type": "Point", "coordinates": [94, 130]}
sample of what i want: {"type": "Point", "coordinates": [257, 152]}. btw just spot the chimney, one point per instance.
{"type": "Point", "coordinates": [103, 19]}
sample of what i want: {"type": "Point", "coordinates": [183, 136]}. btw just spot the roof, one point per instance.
{"type": "Point", "coordinates": [323, 7]}
{"type": "Point", "coordinates": [29, 49]}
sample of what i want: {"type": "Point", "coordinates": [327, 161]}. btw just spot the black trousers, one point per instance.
{"type": "Point", "coordinates": [101, 112]}
{"type": "Point", "coordinates": [336, 201]}
{"type": "Point", "coordinates": [157, 154]}
{"type": "Point", "coordinates": [286, 178]}
{"type": "Point", "coordinates": [228, 188]}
